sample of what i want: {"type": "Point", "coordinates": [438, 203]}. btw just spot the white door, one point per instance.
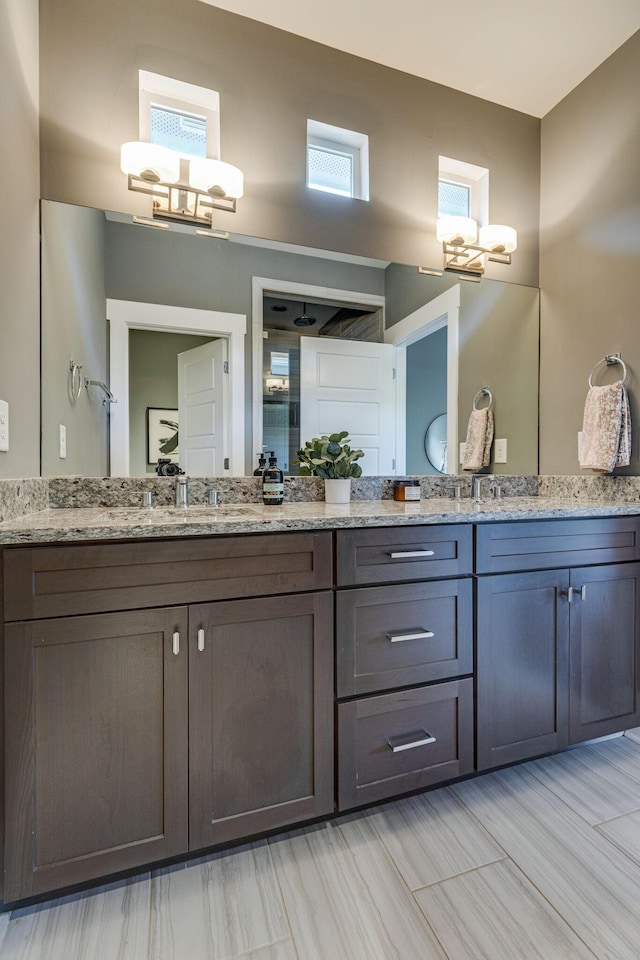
{"type": "Point", "coordinates": [349, 385]}
{"type": "Point", "coordinates": [202, 407]}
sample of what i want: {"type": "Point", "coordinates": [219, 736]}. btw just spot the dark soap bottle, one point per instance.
{"type": "Point", "coordinates": [262, 462]}
{"type": "Point", "coordinates": [272, 483]}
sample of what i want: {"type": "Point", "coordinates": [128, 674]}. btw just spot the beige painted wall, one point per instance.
{"type": "Point", "coordinates": [270, 83]}
{"type": "Point", "coordinates": [19, 266]}
{"type": "Point", "coordinates": [74, 327]}
{"type": "Point", "coordinates": [590, 250]}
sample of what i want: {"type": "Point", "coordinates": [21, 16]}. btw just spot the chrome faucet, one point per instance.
{"type": "Point", "coordinates": [182, 492]}
{"type": "Point", "coordinates": [477, 489]}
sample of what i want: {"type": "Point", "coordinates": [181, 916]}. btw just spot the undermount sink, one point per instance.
{"type": "Point", "coordinates": [231, 511]}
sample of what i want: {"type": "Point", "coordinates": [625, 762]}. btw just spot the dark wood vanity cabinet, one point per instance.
{"type": "Point", "coordinates": [138, 735]}
{"type": "Point", "coordinates": [404, 659]}
{"type": "Point", "coordinates": [558, 650]}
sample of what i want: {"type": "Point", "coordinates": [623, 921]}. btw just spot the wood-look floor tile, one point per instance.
{"type": "Point", "coordinates": [593, 886]}
{"type": "Point", "coordinates": [345, 899]}
{"type": "Point", "coordinates": [110, 923]}
{"type": "Point", "coordinates": [587, 781]}
{"type": "Point", "coordinates": [284, 950]}
{"type": "Point", "coordinates": [624, 832]}
{"type": "Point", "coordinates": [218, 907]}
{"type": "Point", "coordinates": [432, 837]}
{"type": "Point", "coordinates": [621, 752]}
{"type": "Point", "coordinates": [495, 913]}
{"type": "Point", "coordinates": [633, 735]}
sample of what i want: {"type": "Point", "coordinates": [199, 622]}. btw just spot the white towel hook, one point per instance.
{"type": "Point", "coordinates": [483, 392]}
{"type": "Point", "coordinates": [610, 359]}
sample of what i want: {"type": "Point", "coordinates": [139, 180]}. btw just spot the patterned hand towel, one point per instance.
{"type": "Point", "coordinates": [477, 451]}
{"type": "Point", "coordinates": [606, 429]}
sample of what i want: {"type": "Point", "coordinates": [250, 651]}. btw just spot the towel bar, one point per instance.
{"type": "Point", "coordinates": [610, 359]}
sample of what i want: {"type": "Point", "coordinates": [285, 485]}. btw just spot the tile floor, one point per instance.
{"type": "Point", "coordinates": [538, 862]}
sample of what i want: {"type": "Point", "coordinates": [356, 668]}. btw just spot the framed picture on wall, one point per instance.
{"type": "Point", "coordinates": [162, 434]}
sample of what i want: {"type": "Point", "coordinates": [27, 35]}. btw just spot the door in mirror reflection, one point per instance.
{"type": "Point", "coordinates": [202, 410]}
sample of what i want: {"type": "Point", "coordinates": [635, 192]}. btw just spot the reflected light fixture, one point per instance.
{"type": "Point", "coordinates": [156, 171]}
{"type": "Point", "coordinates": [465, 251]}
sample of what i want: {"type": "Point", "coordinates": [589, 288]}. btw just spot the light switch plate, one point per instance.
{"type": "Point", "coordinates": [500, 451]}
{"type": "Point", "coordinates": [63, 442]}
{"type": "Point", "coordinates": [4, 426]}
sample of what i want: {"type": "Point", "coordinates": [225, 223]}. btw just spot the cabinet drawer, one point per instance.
{"type": "Point", "coordinates": [387, 554]}
{"type": "Point", "coordinates": [64, 580]}
{"type": "Point", "coordinates": [542, 544]}
{"type": "Point", "coordinates": [404, 741]}
{"type": "Point", "coordinates": [393, 636]}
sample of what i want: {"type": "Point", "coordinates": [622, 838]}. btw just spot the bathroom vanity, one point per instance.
{"type": "Point", "coordinates": [170, 689]}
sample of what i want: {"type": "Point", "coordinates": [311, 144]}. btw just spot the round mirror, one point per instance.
{"type": "Point", "coordinates": [435, 443]}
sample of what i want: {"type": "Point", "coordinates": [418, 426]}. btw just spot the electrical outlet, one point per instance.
{"type": "Point", "coordinates": [4, 425]}
{"type": "Point", "coordinates": [500, 451]}
{"type": "Point", "coordinates": [63, 442]}
{"type": "Point", "coordinates": [463, 447]}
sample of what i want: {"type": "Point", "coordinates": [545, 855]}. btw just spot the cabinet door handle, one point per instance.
{"type": "Point", "coordinates": [402, 743]}
{"type": "Point", "coordinates": [397, 637]}
{"type": "Point", "coordinates": [200, 639]}
{"type": "Point", "coordinates": [176, 642]}
{"type": "Point", "coordinates": [580, 592]}
{"type": "Point", "coordinates": [408, 554]}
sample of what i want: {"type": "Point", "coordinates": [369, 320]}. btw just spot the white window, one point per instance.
{"type": "Point", "coordinates": [179, 115]}
{"type": "Point", "coordinates": [463, 190]}
{"type": "Point", "coordinates": [337, 160]}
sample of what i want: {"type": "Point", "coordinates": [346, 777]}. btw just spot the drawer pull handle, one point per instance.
{"type": "Point", "coordinates": [409, 554]}
{"type": "Point", "coordinates": [200, 640]}
{"type": "Point", "coordinates": [573, 592]}
{"type": "Point", "coordinates": [401, 743]}
{"type": "Point", "coordinates": [176, 643]}
{"type": "Point", "coordinates": [418, 635]}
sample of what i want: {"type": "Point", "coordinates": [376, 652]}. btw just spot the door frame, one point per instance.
{"type": "Point", "coordinates": [125, 315]}
{"type": "Point", "coordinates": [443, 310]}
{"type": "Point", "coordinates": [281, 288]}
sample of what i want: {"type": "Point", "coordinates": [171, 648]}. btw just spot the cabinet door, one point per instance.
{"type": "Point", "coordinates": [522, 664]}
{"type": "Point", "coordinates": [96, 759]}
{"type": "Point", "coordinates": [261, 715]}
{"type": "Point", "coordinates": [604, 651]}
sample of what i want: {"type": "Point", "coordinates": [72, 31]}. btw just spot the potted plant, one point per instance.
{"type": "Point", "coordinates": [333, 460]}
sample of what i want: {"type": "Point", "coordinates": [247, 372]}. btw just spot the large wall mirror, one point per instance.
{"type": "Point", "coordinates": [132, 304]}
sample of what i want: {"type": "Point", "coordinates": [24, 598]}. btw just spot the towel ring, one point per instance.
{"type": "Point", "coordinates": [609, 360]}
{"type": "Point", "coordinates": [483, 392]}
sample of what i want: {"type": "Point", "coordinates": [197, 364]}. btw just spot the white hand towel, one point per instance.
{"type": "Point", "coordinates": [477, 451]}
{"type": "Point", "coordinates": [606, 429]}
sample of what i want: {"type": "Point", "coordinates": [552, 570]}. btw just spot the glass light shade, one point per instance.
{"type": "Point", "coordinates": [150, 162]}
{"type": "Point", "coordinates": [498, 238]}
{"type": "Point", "coordinates": [216, 178]}
{"type": "Point", "coordinates": [460, 229]}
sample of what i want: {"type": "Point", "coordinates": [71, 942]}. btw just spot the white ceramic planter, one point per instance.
{"type": "Point", "coordinates": [337, 491]}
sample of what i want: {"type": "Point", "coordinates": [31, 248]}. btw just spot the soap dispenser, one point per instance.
{"type": "Point", "coordinates": [262, 463]}
{"type": "Point", "coordinates": [272, 483]}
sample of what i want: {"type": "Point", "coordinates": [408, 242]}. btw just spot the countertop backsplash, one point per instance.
{"type": "Point", "coordinates": [21, 497]}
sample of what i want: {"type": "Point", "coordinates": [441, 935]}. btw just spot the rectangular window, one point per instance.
{"type": "Point", "coordinates": [454, 199]}
{"type": "Point", "coordinates": [179, 115]}
{"type": "Point", "coordinates": [186, 133]}
{"type": "Point", "coordinates": [337, 160]}
{"type": "Point", "coordinates": [330, 170]}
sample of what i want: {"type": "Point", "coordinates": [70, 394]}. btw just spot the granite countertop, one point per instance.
{"type": "Point", "coordinates": [121, 523]}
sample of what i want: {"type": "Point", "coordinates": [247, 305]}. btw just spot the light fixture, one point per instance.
{"type": "Point", "coordinates": [461, 252]}
{"type": "Point", "coordinates": [304, 320]}
{"type": "Point", "coordinates": [156, 171]}
{"type": "Point", "coordinates": [277, 384]}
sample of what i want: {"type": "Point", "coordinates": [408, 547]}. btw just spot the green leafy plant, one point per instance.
{"type": "Point", "coordinates": [329, 458]}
